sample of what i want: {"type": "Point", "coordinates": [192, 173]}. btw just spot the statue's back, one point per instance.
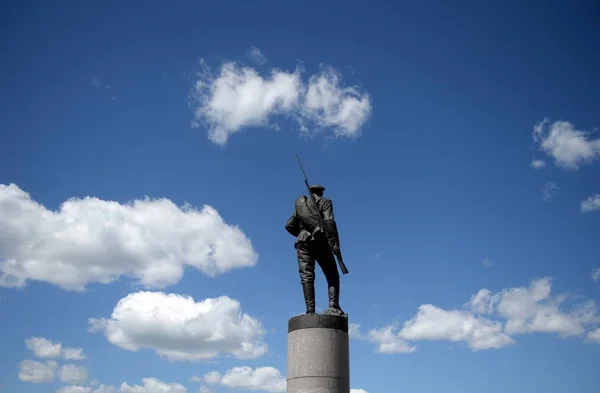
{"type": "Point", "coordinates": [307, 213]}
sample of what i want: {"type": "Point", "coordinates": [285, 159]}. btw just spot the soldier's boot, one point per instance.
{"type": "Point", "coordinates": [309, 296]}
{"type": "Point", "coordinates": [334, 299]}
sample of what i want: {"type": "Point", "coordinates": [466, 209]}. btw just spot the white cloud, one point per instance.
{"type": "Point", "coordinates": [265, 379]}
{"type": "Point", "coordinates": [537, 164]}
{"type": "Point", "coordinates": [354, 330]}
{"type": "Point", "coordinates": [490, 320]}
{"type": "Point", "coordinates": [74, 389]}
{"type": "Point", "coordinates": [195, 379]}
{"type": "Point", "coordinates": [358, 391]}
{"type": "Point", "coordinates": [386, 338]}
{"type": "Point", "coordinates": [46, 349]}
{"type": "Point", "coordinates": [570, 148]}
{"type": "Point", "coordinates": [327, 104]}
{"type": "Point", "coordinates": [594, 336]}
{"type": "Point", "coordinates": [486, 262]}
{"type": "Point", "coordinates": [591, 204]}
{"type": "Point", "coordinates": [433, 323]}
{"type": "Point", "coordinates": [93, 240]}
{"type": "Point", "coordinates": [149, 385]}
{"type": "Point", "coordinates": [596, 274]}
{"type": "Point", "coordinates": [239, 97]}
{"type": "Point", "coordinates": [73, 354]}
{"type": "Point", "coordinates": [37, 372]}
{"type": "Point", "coordinates": [96, 82]}
{"type": "Point", "coordinates": [71, 373]}
{"type": "Point", "coordinates": [105, 389]}
{"type": "Point", "coordinates": [549, 191]}
{"type": "Point", "coordinates": [204, 389]}
{"type": "Point", "coordinates": [179, 328]}
{"type": "Point", "coordinates": [153, 385]}
{"type": "Point", "coordinates": [257, 56]}
{"type": "Point", "coordinates": [388, 341]}
{"type": "Point", "coordinates": [533, 309]}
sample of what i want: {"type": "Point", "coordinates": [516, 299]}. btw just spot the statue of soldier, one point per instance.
{"type": "Point", "coordinates": [312, 244]}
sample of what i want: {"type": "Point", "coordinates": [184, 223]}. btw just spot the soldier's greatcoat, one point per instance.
{"type": "Point", "coordinates": [311, 242]}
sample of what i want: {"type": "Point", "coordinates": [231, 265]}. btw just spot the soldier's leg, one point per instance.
{"type": "Point", "coordinates": [328, 264]}
{"type": "Point", "coordinates": [306, 267]}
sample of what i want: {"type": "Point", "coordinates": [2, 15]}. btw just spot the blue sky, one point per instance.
{"type": "Point", "coordinates": [147, 172]}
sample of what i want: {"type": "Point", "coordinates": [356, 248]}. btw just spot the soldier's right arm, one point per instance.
{"type": "Point", "coordinates": [293, 225]}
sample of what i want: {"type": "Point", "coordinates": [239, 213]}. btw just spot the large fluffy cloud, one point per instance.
{"type": "Point", "coordinates": [93, 240]}
{"type": "Point", "coordinates": [238, 97]}
{"type": "Point", "coordinates": [433, 323]}
{"type": "Point", "coordinates": [179, 328]}
{"type": "Point", "coordinates": [37, 372]}
{"type": "Point", "coordinates": [569, 146]}
{"type": "Point", "coordinates": [533, 309]}
{"type": "Point", "coordinates": [490, 320]}
{"type": "Point", "coordinates": [47, 349]}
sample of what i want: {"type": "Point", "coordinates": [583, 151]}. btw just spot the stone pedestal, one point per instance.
{"type": "Point", "coordinates": [318, 354]}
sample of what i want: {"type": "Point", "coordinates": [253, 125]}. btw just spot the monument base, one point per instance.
{"type": "Point", "coordinates": [318, 354]}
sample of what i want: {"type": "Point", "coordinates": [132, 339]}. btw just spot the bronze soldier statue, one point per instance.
{"type": "Point", "coordinates": [317, 239]}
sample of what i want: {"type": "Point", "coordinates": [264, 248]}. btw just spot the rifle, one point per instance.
{"type": "Point", "coordinates": [338, 255]}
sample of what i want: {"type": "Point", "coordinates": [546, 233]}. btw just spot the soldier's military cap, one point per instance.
{"type": "Point", "coordinates": [317, 187]}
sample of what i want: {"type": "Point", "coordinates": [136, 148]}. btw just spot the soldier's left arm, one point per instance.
{"type": "Point", "coordinates": [292, 225]}
{"type": "Point", "coordinates": [329, 220]}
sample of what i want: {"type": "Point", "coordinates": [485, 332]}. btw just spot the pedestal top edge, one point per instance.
{"type": "Point", "coordinates": [319, 321]}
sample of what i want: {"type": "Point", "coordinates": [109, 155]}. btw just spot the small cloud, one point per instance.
{"type": "Point", "coordinates": [204, 389]}
{"type": "Point", "coordinates": [266, 379]}
{"type": "Point", "coordinates": [571, 148]}
{"type": "Point", "coordinates": [377, 255]}
{"type": "Point", "coordinates": [486, 262]}
{"type": "Point", "coordinates": [46, 349]}
{"type": "Point", "coordinates": [549, 191]}
{"type": "Point", "coordinates": [37, 372]}
{"type": "Point", "coordinates": [96, 82]}
{"type": "Point", "coordinates": [591, 204]}
{"type": "Point", "coordinates": [73, 374]}
{"type": "Point", "coordinates": [257, 56]}
{"type": "Point", "coordinates": [596, 274]}
{"type": "Point", "coordinates": [537, 164]}
{"type": "Point", "coordinates": [354, 331]}
{"type": "Point", "coordinates": [593, 336]}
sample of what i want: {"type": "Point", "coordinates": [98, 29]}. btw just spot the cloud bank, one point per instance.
{"type": "Point", "coordinates": [91, 240]}
{"type": "Point", "coordinates": [490, 321]}
{"type": "Point", "coordinates": [238, 97]}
